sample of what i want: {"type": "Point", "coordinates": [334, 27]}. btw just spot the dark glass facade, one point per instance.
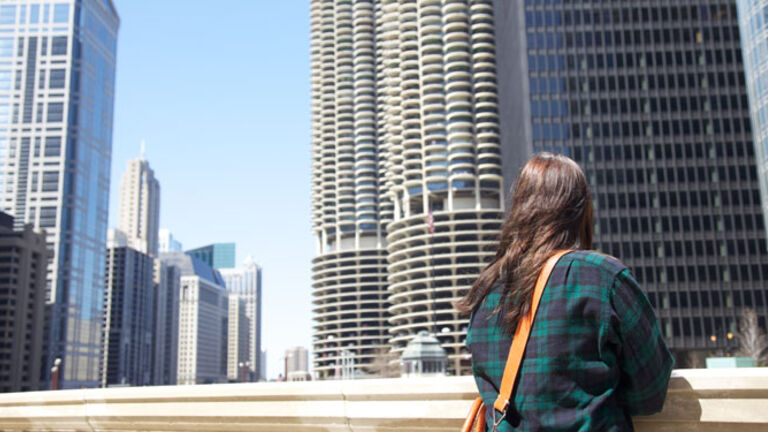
{"type": "Point", "coordinates": [649, 97]}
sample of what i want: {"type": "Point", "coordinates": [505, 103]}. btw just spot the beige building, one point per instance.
{"type": "Point", "coordinates": [23, 265]}
{"type": "Point", "coordinates": [404, 129]}
{"type": "Point", "coordinates": [244, 283]}
{"type": "Point", "coordinates": [139, 213]}
{"type": "Point", "coordinates": [238, 361]}
{"type": "Point", "coordinates": [296, 364]}
{"type": "Point", "coordinates": [203, 305]}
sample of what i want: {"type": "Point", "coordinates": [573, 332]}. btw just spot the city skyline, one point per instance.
{"type": "Point", "coordinates": [194, 126]}
{"type": "Point", "coordinates": [214, 196]}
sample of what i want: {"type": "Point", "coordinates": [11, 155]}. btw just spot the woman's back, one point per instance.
{"type": "Point", "coordinates": [594, 358]}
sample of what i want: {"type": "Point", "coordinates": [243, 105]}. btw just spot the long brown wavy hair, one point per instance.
{"type": "Point", "coordinates": [551, 210]}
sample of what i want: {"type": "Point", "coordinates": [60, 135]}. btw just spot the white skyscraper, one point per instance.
{"type": "Point", "coordinates": [139, 213]}
{"type": "Point", "coordinates": [203, 305]}
{"type": "Point", "coordinates": [238, 340]}
{"type": "Point", "coordinates": [245, 283]}
{"type": "Point", "coordinates": [408, 195]}
{"type": "Point", "coordinates": [57, 85]}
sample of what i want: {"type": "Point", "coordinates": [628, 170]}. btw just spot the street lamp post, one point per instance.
{"type": "Point", "coordinates": [55, 374]}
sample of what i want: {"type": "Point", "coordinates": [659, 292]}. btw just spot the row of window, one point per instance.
{"type": "Point", "coordinates": [584, 13]}
{"type": "Point", "coordinates": [58, 46]}
{"type": "Point", "coordinates": [589, 39]}
{"type": "Point", "coordinates": [679, 175]}
{"type": "Point", "coordinates": [678, 249]}
{"type": "Point", "coordinates": [683, 223]}
{"type": "Point", "coordinates": [651, 152]}
{"type": "Point", "coordinates": [593, 105]}
{"type": "Point", "coordinates": [55, 113]}
{"type": "Point", "coordinates": [544, 131]}
{"type": "Point", "coordinates": [710, 328]}
{"type": "Point", "coordinates": [630, 60]}
{"type": "Point", "coordinates": [8, 14]}
{"type": "Point", "coordinates": [701, 273]}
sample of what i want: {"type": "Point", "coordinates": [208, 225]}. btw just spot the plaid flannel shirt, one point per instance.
{"type": "Point", "coordinates": [595, 355]}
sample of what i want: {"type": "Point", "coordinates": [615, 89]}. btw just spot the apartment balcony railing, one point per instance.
{"type": "Point", "coordinates": [701, 400]}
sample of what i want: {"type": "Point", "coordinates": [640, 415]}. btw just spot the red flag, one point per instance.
{"type": "Point", "coordinates": [430, 222]}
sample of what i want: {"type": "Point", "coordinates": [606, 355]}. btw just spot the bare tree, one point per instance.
{"type": "Point", "coordinates": [752, 339]}
{"type": "Point", "coordinates": [385, 365]}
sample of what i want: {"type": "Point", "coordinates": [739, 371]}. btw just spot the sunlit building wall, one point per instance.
{"type": "Point", "coordinates": [57, 85]}
{"type": "Point", "coordinates": [203, 313]}
{"type": "Point", "coordinates": [138, 214]}
{"type": "Point", "coordinates": [245, 283]}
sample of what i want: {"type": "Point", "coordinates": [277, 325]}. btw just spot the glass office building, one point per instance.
{"type": "Point", "coordinates": [650, 98]}
{"type": "Point", "coordinates": [57, 76]}
{"type": "Point", "coordinates": [753, 23]}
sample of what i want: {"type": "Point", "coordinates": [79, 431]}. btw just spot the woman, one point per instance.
{"type": "Point", "coordinates": [595, 355]}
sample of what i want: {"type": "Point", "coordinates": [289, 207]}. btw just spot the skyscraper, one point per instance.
{"type": "Point", "coordinates": [57, 84]}
{"type": "Point", "coordinates": [244, 283]}
{"type": "Point", "coordinates": [202, 353]}
{"type": "Point", "coordinates": [405, 131]}
{"type": "Point", "coordinates": [139, 212]}
{"type": "Point", "coordinates": [296, 364]}
{"type": "Point", "coordinates": [129, 322]}
{"type": "Point", "coordinates": [239, 366]}
{"type": "Point", "coordinates": [649, 98]}
{"type": "Point", "coordinates": [23, 261]}
{"type": "Point", "coordinates": [217, 255]}
{"type": "Point", "coordinates": [166, 334]}
{"type": "Point", "coordinates": [753, 24]}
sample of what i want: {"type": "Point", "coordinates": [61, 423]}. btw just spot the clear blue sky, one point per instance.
{"type": "Point", "coordinates": [220, 91]}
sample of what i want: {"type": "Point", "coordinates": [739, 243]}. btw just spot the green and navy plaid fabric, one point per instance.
{"type": "Point", "coordinates": [595, 356]}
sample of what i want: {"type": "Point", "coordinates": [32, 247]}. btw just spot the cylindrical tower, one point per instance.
{"type": "Point", "coordinates": [404, 126]}
{"type": "Point", "coordinates": [349, 273]}
{"type": "Point", "coordinates": [445, 163]}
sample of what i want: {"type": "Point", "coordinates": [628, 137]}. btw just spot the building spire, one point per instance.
{"type": "Point", "coordinates": [143, 149]}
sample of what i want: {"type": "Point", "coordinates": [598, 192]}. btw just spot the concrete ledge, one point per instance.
{"type": "Point", "coordinates": [701, 400]}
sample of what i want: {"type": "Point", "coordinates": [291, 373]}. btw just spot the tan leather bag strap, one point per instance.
{"type": "Point", "coordinates": [522, 333]}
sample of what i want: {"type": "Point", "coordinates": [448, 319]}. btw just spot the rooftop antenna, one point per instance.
{"type": "Point", "coordinates": [143, 149]}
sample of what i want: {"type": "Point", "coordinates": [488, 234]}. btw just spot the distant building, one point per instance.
{"type": "Point", "coordinates": [139, 212]}
{"type": "Point", "coordinates": [23, 261]}
{"type": "Point", "coordinates": [263, 366]}
{"type": "Point", "coordinates": [217, 255]}
{"type": "Point", "coordinates": [127, 357]}
{"type": "Point", "coordinates": [245, 284]}
{"type": "Point", "coordinates": [423, 356]}
{"type": "Point", "coordinates": [57, 87]}
{"type": "Point", "coordinates": [239, 367]}
{"type": "Point", "coordinates": [202, 356]}
{"type": "Point", "coordinates": [297, 364]}
{"type": "Point", "coordinates": [167, 243]}
{"type": "Point", "coordinates": [166, 335]}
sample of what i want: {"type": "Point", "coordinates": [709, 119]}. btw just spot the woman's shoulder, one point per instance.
{"type": "Point", "coordinates": [605, 263]}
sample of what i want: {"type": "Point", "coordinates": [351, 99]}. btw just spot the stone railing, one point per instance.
{"type": "Point", "coordinates": [701, 400]}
